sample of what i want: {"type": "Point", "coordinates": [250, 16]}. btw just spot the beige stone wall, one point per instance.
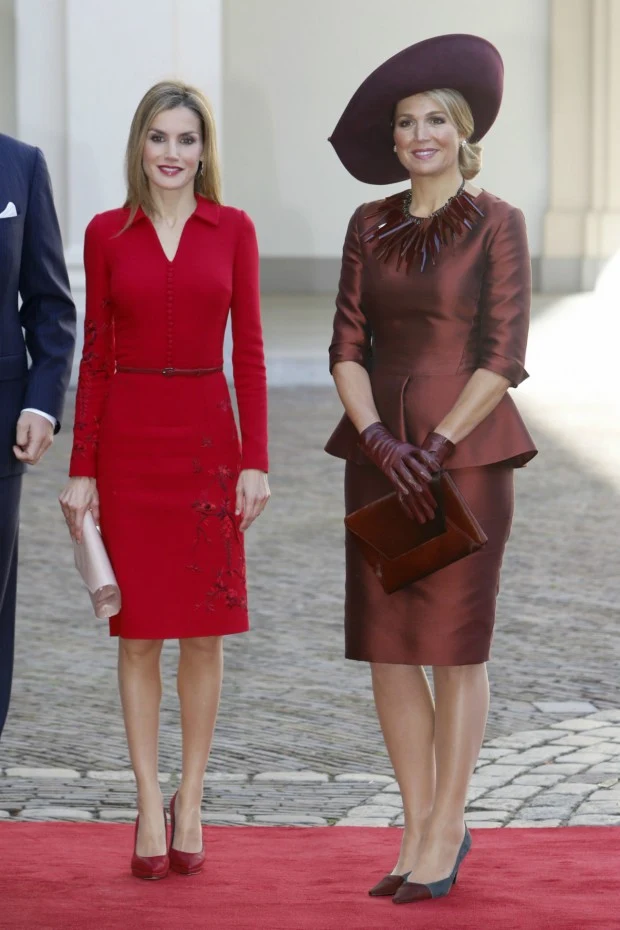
{"type": "Point", "coordinates": [290, 67]}
{"type": "Point", "coordinates": [582, 225]}
{"type": "Point", "coordinates": [58, 87]}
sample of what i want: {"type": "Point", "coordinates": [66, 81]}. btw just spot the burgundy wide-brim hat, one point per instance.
{"type": "Point", "coordinates": [363, 138]}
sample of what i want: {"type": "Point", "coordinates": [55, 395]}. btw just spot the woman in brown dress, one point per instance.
{"type": "Point", "coordinates": [430, 331]}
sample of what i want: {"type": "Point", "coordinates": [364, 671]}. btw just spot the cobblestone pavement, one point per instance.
{"type": "Point", "coordinates": [564, 774]}
{"type": "Point", "coordinates": [291, 703]}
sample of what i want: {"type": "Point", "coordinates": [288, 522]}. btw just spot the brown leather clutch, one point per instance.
{"type": "Point", "coordinates": [402, 551]}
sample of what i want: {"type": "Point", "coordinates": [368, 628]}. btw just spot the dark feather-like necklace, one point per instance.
{"type": "Point", "coordinates": [401, 235]}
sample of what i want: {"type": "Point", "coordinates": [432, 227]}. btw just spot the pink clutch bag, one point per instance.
{"type": "Point", "coordinates": [93, 564]}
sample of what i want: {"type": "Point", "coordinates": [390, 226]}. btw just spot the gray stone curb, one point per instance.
{"type": "Point", "coordinates": [23, 772]}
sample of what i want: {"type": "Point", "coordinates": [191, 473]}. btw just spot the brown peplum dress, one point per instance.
{"type": "Point", "coordinates": [421, 334]}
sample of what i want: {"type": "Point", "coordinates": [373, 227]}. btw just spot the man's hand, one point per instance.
{"type": "Point", "coordinates": [34, 436]}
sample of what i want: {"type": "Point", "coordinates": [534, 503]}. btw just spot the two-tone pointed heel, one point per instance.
{"type": "Point", "coordinates": [387, 886]}
{"type": "Point", "coordinates": [185, 863]}
{"type": "Point", "coordinates": [409, 892]}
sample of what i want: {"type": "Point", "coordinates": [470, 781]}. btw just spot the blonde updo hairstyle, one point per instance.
{"type": "Point", "coordinates": [167, 95]}
{"type": "Point", "coordinates": [459, 112]}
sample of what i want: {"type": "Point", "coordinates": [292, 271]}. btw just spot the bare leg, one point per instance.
{"type": "Point", "coordinates": [139, 681]}
{"type": "Point", "coordinates": [199, 684]}
{"type": "Point", "coordinates": [405, 710]}
{"type": "Point", "coordinates": [461, 708]}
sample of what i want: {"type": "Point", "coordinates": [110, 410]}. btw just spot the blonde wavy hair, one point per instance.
{"type": "Point", "coordinates": [459, 112]}
{"type": "Point", "coordinates": [167, 95]}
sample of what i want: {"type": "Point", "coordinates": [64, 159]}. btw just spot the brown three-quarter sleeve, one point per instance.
{"type": "Point", "coordinates": [351, 339]}
{"type": "Point", "coordinates": [505, 301]}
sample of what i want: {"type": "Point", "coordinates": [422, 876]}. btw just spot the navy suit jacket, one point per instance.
{"type": "Point", "coordinates": [31, 265]}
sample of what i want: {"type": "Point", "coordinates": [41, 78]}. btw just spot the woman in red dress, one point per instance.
{"type": "Point", "coordinates": [156, 454]}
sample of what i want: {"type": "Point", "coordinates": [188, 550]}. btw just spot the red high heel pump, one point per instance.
{"type": "Point", "coordinates": [149, 867]}
{"type": "Point", "coordinates": [185, 863]}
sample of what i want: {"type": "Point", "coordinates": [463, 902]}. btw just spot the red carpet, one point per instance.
{"type": "Point", "coordinates": [75, 877]}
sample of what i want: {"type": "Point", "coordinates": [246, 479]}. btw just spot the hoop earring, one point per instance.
{"type": "Point", "coordinates": [200, 168]}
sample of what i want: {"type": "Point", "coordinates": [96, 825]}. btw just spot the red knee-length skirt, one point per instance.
{"type": "Point", "coordinates": [168, 463]}
{"type": "Point", "coordinates": [447, 618]}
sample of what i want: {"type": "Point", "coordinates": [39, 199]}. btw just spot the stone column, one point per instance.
{"type": "Point", "coordinates": [115, 51]}
{"type": "Point", "coordinates": [602, 228]}
{"type": "Point", "coordinates": [582, 226]}
{"type": "Point", "coordinates": [40, 104]}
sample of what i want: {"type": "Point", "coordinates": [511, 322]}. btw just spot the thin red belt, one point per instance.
{"type": "Point", "coordinates": [169, 372]}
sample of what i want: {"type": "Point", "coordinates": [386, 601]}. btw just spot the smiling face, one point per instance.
{"type": "Point", "coordinates": [173, 149]}
{"type": "Point", "coordinates": [427, 141]}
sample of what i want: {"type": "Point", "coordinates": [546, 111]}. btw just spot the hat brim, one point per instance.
{"type": "Point", "coordinates": [363, 139]}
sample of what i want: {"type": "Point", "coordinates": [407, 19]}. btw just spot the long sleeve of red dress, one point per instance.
{"type": "Point", "coordinates": [97, 364]}
{"type": "Point", "coordinates": [248, 355]}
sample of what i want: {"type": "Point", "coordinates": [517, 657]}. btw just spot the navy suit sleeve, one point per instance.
{"type": "Point", "coordinates": [47, 312]}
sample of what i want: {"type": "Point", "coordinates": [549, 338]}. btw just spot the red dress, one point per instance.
{"type": "Point", "coordinates": [164, 448]}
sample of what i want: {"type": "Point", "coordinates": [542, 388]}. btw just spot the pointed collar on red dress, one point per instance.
{"type": "Point", "coordinates": [206, 210]}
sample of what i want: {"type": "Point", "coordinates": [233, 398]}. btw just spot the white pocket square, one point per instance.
{"type": "Point", "coordinates": [8, 211]}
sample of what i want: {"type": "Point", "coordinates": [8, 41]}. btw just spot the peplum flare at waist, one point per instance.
{"type": "Point", "coordinates": [412, 405]}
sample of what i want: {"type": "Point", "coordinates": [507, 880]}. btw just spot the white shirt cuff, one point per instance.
{"type": "Point", "coordinates": [47, 416]}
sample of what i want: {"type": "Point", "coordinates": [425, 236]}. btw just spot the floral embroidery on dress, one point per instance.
{"type": "Point", "coordinates": [217, 516]}
{"type": "Point", "coordinates": [96, 370]}
{"type": "Point", "coordinates": [220, 589]}
{"type": "Point", "coordinates": [224, 475]}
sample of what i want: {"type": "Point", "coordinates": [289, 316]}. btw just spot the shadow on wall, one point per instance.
{"type": "Point", "coordinates": [8, 108]}
{"type": "Point", "coordinates": [253, 182]}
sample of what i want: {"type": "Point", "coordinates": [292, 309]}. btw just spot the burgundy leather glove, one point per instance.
{"type": "Point", "coordinates": [438, 449]}
{"type": "Point", "coordinates": [407, 467]}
